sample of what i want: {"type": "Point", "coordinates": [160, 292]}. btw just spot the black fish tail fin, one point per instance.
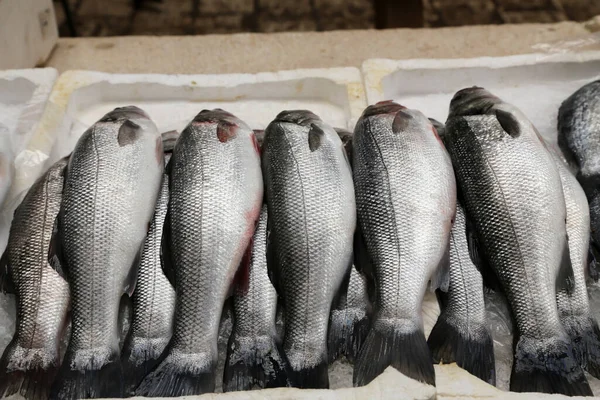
{"type": "Point", "coordinates": [399, 343]}
{"type": "Point", "coordinates": [140, 356]}
{"type": "Point", "coordinates": [348, 330]}
{"type": "Point", "coordinates": [309, 376]}
{"type": "Point", "coordinates": [585, 337]}
{"type": "Point", "coordinates": [180, 375]}
{"type": "Point", "coordinates": [547, 366]}
{"type": "Point", "coordinates": [253, 361]}
{"type": "Point", "coordinates": [104, 381]}
{"type": "Point", "coordinates": [31, 379]}
{"type": "Point", "coordinates": [471, 347]}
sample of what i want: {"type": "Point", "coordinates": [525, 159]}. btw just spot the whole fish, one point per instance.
{"type": "Point", "coordinates": [32, 358]}
{"type": "Point", "coordinates": [216, 195]}
{"type": "Point", "coordinates": [513, 195]}
{"type": "Point", "coordinates": [252, 354]}
{"type": "Point", "coordinates": [406, 200]}
{"type": "Point", "coordinates": [154, 297]}
{"type": "Point", "coordinates": [461, 332]}
{"type": "Point", "coordinates": [112, 183]}
{"type": "Point", "coordinates": [579, 139]}
{"type": "Point", "coordinates": [573, 305]}
{"type": "Point", "coordinates": [312, 218]}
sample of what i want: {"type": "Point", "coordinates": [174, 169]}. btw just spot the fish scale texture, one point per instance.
{"type": "Point", "coordinates": [513, 192]}
{"type": "Point", "coordinates": [216, 194]}
{"type": "Point", "coordinates": [42, 293]}
{"type": "Point", "coordinates": [311, 218]}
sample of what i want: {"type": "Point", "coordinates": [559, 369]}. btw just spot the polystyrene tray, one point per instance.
{"type": "Point", "coordinates": [536, 83]}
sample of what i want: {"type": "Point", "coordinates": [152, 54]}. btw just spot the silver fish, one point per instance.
{"type": "Point", "coordinates": [513, 195]}
{"type": "Point", "coordinates": [349, 319]}
{"type": "Point", "coordinates": [573, 305]}
{"type": "Point", "coordinates": [216, 195]}
{"type": "Point", "coordinates": [461, 333]}
{"type": "Point", "coordinates": [253, 356]}
{"type": "Point", "coordinates": [32, 358]}
{"type": "Point", "coordinates": [579, 139]}
{"type": "Point", "coordinates": [312, 218]}
{"type": "Point", "coordinates": [154, 297]}
{"type": "Point", "coordinates": [112, 183]}
{"type": "Point", "coordinates": [6, 163]}
{"type": "Point", "coordinates": [406, 200]}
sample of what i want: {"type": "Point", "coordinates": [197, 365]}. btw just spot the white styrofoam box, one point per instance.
{"type": "Point", "coordinates": [80, 98]}
{"type": "Point", "coordinates": [28, 32]}
{"type": "Point", "coordinates": [536, 83]}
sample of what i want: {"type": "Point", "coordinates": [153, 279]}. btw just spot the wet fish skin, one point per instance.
{"type": "Point", "coordinates": [573, 305]}
{"type": "Point", "coordinates": [406, 200]}
{"type": "Point", "coordinates": [32, 358]}
{"type": "Point", "coordinates": [6, 163]}
{"type": "Point", "coordinates": [216, 195]}
{"type": "Point", "coordinates": [461, 333]}
{"type": "Point", "coordinates": [253, 356]}
{"type": "Point", "coordinates": [579, 139]}
{"type": "Point", "coordinates": [154, 297]}
{"type": "Point", "coordinates": [112, 183]}
{"type": "Point", "coordinates": [310, 199]}
{"type": "Point", "coordinates": [513, 195]}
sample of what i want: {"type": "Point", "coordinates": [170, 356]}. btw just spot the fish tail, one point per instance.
{"type": "Point", "coordinates": [27, 372]}
{"type": "Point", "coordinates": [253, 361]}
{"type": "Point", "coordinates": [470, 346]}
{"type": "Point", "coordinates": [140, 356]}
{"type": "Point", "coordinates": [347, 332]}
{"type": "Point", "coordinates": [309, 376]}
{"type": "Point", "coordinates": [179, 375]}
{"type": "Point", "coordinates": [585, 337]}
{"type": "Point", "coordinates": [94, 380]}
{"type": "Point", "coordinates": [399, 343]}
{"type": "Point", "coordinates": [547, 366]}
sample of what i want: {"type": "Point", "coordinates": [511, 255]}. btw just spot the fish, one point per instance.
{"type": "Point", "coordinates": [439, 127]}
{"type": "Point", "coordinates": [406, 201]}
{"type": "Point", "coordinates": [513, 196]}
{"type": "Point", "coordinates": [153, 298]}
{"type": "Point", "coordinates": [31, 269]}
{"type": "Point", "coordinates": [579, 139]}
{"type": "Point", "coordinates": [461, 333]}
{"type": "Point", "coordinates": [216, 192]}
{"type": "Point", "coordinates": [312, 218]}
{"type": "Point", "coordinates": [111, 186]}
{"type": "Point", "coordinates": [253, 351]}
{"type": "Point", "coordinates": [573, 305]}
{"type": "Point", "coordinates": [349, 319]}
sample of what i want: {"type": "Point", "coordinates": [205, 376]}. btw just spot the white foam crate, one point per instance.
{"type": "Point", "coordinates": [82, 97]}
{"type": "Point", "coordinates": [536, 83]}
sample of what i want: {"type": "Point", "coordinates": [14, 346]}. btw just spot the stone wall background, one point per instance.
{"type": "Point", "coordinates": [188, 17]}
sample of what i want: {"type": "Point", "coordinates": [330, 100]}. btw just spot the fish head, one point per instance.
{"type": "Point", "coordinates": [169, 139]}
{"type": "Point", "coordinates": [303, 129]}
{"type": "Point", "coordinates": [132, 124]}
{"type": "Point", "coordinates": [474, 100]}
{"type": "Point", "coordinates": [439, 127]}
{"type": "Point", "coordinates": [124, 113]}
{"type": "Point", "coordinates": [227, 125]}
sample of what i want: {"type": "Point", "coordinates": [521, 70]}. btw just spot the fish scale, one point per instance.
{"type": "Point", "coordinates": [112, 183]}
{"type": "Point", "coordinates": [310, 202]}
{"type": "Point", "coordinates": [215, 197]}
{"type": "Point", "coordinates": [513, 194]}
{"type": "Point", "coordinates": [406, 199]}
{"type": "Point", "coordinates": [31, 360]}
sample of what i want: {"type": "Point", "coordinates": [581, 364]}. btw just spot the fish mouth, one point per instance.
{"type": "Point", "coordinates": [383, 107]}
{"type": "Point", "coordinates": [298, 117]}
{"type": "Point", "coordinates": [126, 112]}
{"type": "Point", "coordinates": [474, 100]}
